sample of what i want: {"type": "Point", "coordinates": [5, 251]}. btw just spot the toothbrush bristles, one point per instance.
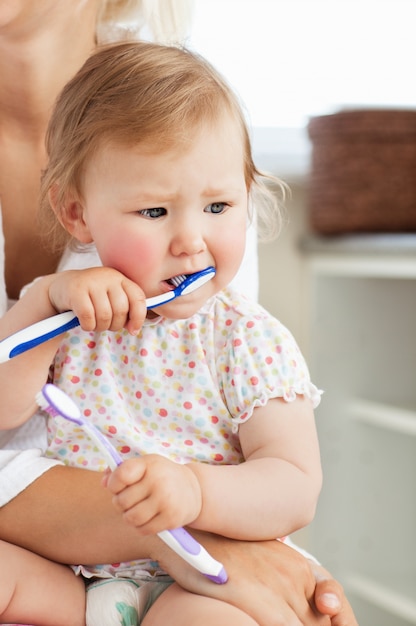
{"type": "Point", "coordinates": [44, 405]}
{"type": "Point", "coordinates": [178, 280]}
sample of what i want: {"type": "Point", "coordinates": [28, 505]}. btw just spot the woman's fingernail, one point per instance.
{"type": "Point", "coordinates": [330, 600]}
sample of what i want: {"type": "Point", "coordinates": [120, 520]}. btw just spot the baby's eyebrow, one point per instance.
{"type": "Point", "coordinates": [154, 200]}
{"type": "Point", "coordinates": [221, 191]}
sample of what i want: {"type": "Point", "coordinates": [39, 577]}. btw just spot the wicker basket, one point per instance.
{"type": "Point", "coordinates": [363, 172]}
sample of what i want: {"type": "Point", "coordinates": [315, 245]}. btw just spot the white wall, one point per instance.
{"type": "Point", "coordinates": [281, 268]}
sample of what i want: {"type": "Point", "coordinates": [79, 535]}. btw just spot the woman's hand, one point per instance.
{"type": "Point", "coordinates": [270, 581]}
{"type": "Point", "coordinates": [330, 598]}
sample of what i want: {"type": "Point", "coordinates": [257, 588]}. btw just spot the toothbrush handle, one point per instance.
{"type": "Point", "coordinates": [181, 542]}
{"type": "Point", "coordinates": [38, 333]}
{"type": "Point", "coordinates": [113, 457]}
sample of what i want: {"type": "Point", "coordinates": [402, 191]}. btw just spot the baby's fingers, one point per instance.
{"type": "Point", "coordinates": [128, 473]}
{"type": "Point", "coordinates": [102, 310]}
{"type": "Point", "coordinates": [137, 307]}
{"type": "Point", "coordinates": [122, 306]}
{"type": "Point", "coordinates": [113, 313]}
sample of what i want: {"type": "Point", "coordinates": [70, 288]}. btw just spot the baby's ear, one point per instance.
{"type": "Point", "coordinates": [70, 213]}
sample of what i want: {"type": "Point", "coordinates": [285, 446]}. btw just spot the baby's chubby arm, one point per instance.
{"type": "Point", "coordinates": [102, 299]}
{"type": "Point", "coordinates": [273, 493]}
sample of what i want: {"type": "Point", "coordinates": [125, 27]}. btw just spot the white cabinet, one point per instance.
{"type": "Point", "coordinates": [362, 329]}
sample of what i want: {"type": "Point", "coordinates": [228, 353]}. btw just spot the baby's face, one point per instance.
{"type": "Point", "coordinates": [154, 216]}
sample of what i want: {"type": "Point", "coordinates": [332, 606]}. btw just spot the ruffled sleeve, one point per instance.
{"type": "Point", "coordinates": [261, 360]}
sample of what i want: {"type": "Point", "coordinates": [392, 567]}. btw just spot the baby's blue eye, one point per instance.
{"type": "Point", "coordinates": [215, 207]}
{"type": "Point", "coordinates": [154, 212]}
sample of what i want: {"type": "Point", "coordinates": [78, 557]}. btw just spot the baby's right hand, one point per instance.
{"type": "Point", "coordinates": [101, 297]}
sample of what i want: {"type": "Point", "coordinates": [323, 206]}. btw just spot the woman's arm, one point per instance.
{"type": "Point", "coordinates": [72, 520]}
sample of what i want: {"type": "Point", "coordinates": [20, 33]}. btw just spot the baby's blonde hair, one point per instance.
{"type": "Point", "coordinates": [138, 93]}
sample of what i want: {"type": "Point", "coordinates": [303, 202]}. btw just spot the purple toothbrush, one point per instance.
{"type": "Point", "coordinates": [55, 402]}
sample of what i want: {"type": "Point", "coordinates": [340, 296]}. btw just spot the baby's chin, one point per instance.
{"type": "Point", "coordinates": [178, 309]}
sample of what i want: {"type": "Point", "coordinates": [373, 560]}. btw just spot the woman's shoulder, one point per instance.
{"type": "Point", "coordinates": [3, 292]}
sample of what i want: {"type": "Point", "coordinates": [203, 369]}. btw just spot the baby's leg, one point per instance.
{"type": "Point", "coordinates": [34, 590]}
{"type": "Point", "coordinates": [178, 607]}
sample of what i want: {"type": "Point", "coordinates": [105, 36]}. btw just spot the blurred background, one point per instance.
{"type": "Point", "coordinates": [342, 274]}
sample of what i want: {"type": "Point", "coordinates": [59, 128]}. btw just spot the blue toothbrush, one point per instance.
{"type": "Point", "coordinates": [55, 402]}
{"type": "Point", "coordinates": [42, 331]}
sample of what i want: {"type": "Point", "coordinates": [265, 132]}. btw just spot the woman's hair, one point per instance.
{"type": "Point", "coordinates": [165, 21]}
{"type": "Point", "coordinates": [139, 93]}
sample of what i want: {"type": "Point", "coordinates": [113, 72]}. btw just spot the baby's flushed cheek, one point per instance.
{"type": "Point", "coordinates": [229, 248]}
{"type": "Point", "coordinates": [133, 256]}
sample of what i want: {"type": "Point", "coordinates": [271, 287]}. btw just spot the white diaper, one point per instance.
{"type": "Point", "coordinates": [122, 602]}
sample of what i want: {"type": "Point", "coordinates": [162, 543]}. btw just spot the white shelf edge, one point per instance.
{"type": "Point", "coordinates": [384, 416]}
{"type": "Point", "coordinates": [363, 266]}
{"type": "Point", "coordinates": [383, 597]}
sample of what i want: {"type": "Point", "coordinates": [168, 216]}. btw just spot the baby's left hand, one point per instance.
{"type": "Point", "coordinates": [155, 493]}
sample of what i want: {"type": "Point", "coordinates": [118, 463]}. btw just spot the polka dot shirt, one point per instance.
{"type": "Point", "coordinates": [181, 388]}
